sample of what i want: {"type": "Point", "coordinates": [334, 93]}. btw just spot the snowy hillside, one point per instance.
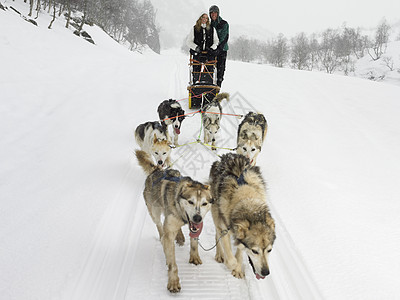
{"type": "Point", "coordinates": [386, 69]}
{"type": "Point", "coordinates": [73, 223]}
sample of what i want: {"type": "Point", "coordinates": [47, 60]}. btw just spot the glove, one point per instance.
{"type": "Point", "coordinates": [197, 50]}
{"type": "Point", "coordinates": [211, 52]}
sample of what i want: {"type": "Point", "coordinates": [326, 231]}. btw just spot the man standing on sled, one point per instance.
{"type": "Point", "coordinates": [222, 28]}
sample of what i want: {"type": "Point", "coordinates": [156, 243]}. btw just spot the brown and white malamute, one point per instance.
{"type": "Point", "coordinates": [240, 211]}
{"type": "Point", "coordinates": [182, 201]}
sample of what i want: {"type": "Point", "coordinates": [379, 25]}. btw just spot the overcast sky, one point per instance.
{"type": "Point", "coordinates": [293, 16]}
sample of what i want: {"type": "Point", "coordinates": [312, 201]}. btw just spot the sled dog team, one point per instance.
{"type": "Point", "coordinates": [235, 193]}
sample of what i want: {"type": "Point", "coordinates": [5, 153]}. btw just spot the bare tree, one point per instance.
{"type": "Point", "coordinates": [84, 16]}
{"type": "Point", "coordinates": [388, 62]}
{"type": "Point", "coordinates": [327, 52]}
{"type": "Point", "coordinates": [37, 8]}
{"type": "Point", "coordinates": [30, 8]}
{"type": "Point", "coordinates": [247, 50]}
{"type": "Point", "coordinates": [68, 14]}
{"type": "Point", "coordinates": [358, 43]}
{"type": "Point", "coordinates": [239, 49]}
{"type": "Point", "coordinates": [300, 52]}
{"type": "Point", "coordinates": [280, 51]}
{"type": "Point", "coordinates": [54, 16]}
{"type": "Point", "coordinates": [314, 50]}
{"type": "Point", "coordinates": [343, 49]}
{"type": "Point", "coordinates": [124, 20]}
{"type": "Point", "coordinates": [379, 44]}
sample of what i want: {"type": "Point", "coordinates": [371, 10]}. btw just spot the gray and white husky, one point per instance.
{"type": "Point", "coordinates": [212, 114]}
{"type": "Point", "coordinates": [153, 139]}
{"type": "Point", "coordinates": [251, 134]}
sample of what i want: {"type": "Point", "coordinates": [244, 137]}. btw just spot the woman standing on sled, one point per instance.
{"type": "Point", "coordinates": [202, 41]}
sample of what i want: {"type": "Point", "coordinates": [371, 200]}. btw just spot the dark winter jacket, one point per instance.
{"type": "Point", "coordinates": [222, 28]}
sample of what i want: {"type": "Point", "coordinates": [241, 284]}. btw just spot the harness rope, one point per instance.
{"type": "Point", "coordinates": [223, 233]}
{"type": "Point", "coordinates": [203, 112]}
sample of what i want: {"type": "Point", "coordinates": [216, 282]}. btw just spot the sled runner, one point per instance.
{"type": "Point", "coordinates": [202, 83]}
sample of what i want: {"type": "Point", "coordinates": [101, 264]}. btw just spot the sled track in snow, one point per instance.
{"type": "Point", "coordinates": [107, 269]}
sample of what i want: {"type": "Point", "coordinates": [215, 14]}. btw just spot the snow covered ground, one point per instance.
{"type": "Point", "coordinates": [73, 224]}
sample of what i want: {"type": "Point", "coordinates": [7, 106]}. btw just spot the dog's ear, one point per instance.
{"type": "Point", "coordinates": [187, 184]}
{"type": "Point", "coordinates": [206, 187]}
{"type": "Point", "coordinates": [271, 223]}
{"type": "Point", "coordinates": [241, 227]}
{"type": "Point", "coordinates": [155, 138]}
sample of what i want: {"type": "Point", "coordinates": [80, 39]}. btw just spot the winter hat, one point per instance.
{"type": "Point", "coordinates": [214, 8]}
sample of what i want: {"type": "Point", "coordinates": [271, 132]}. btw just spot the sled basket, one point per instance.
{"type": "Point", "coordinates": [202, 81]}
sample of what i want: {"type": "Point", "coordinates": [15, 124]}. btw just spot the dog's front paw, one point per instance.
{"type": "Point", "coordinates": [219, 258]}
{"type": "Point", "coordinates": [174, 285]}
{"type": "Point", "coordinates": [195, 259]}
{"type": "Point", "coordinates": [238, 272]}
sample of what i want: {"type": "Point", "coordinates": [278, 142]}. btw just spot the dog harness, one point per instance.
{"type": "Point", "coordinates": [240, 180]}
{"type": "Point", "coordinates": [166, 177]}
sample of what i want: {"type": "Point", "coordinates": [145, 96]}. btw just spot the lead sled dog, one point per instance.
{"type": "Point", "coordinates": [182, 201]}
{"type": "Point", "coordinates": [171, 113]}
{"type": "Point", "coordinates": [240, 211]}
{"type": "Point", "coordinates": [152, 138]}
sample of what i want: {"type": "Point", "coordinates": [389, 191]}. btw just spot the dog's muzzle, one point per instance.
{"type": "Point", "coordinates": [196, 226]}
{"type": "Point", "coordinates": [264, 271]}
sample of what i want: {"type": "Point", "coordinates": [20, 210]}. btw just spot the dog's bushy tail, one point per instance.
{"type": "Point", "coordinates": [222, 96]}
{"type": "Point", "coordinates": [145, 161]}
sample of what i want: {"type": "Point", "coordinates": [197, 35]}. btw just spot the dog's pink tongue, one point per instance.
{"type": "Point", "coordinates": [178, 131]}
{"type": "Point", "coordinates": [199, 228]}
{"type": "Point", "coordinates": [259, 276]}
